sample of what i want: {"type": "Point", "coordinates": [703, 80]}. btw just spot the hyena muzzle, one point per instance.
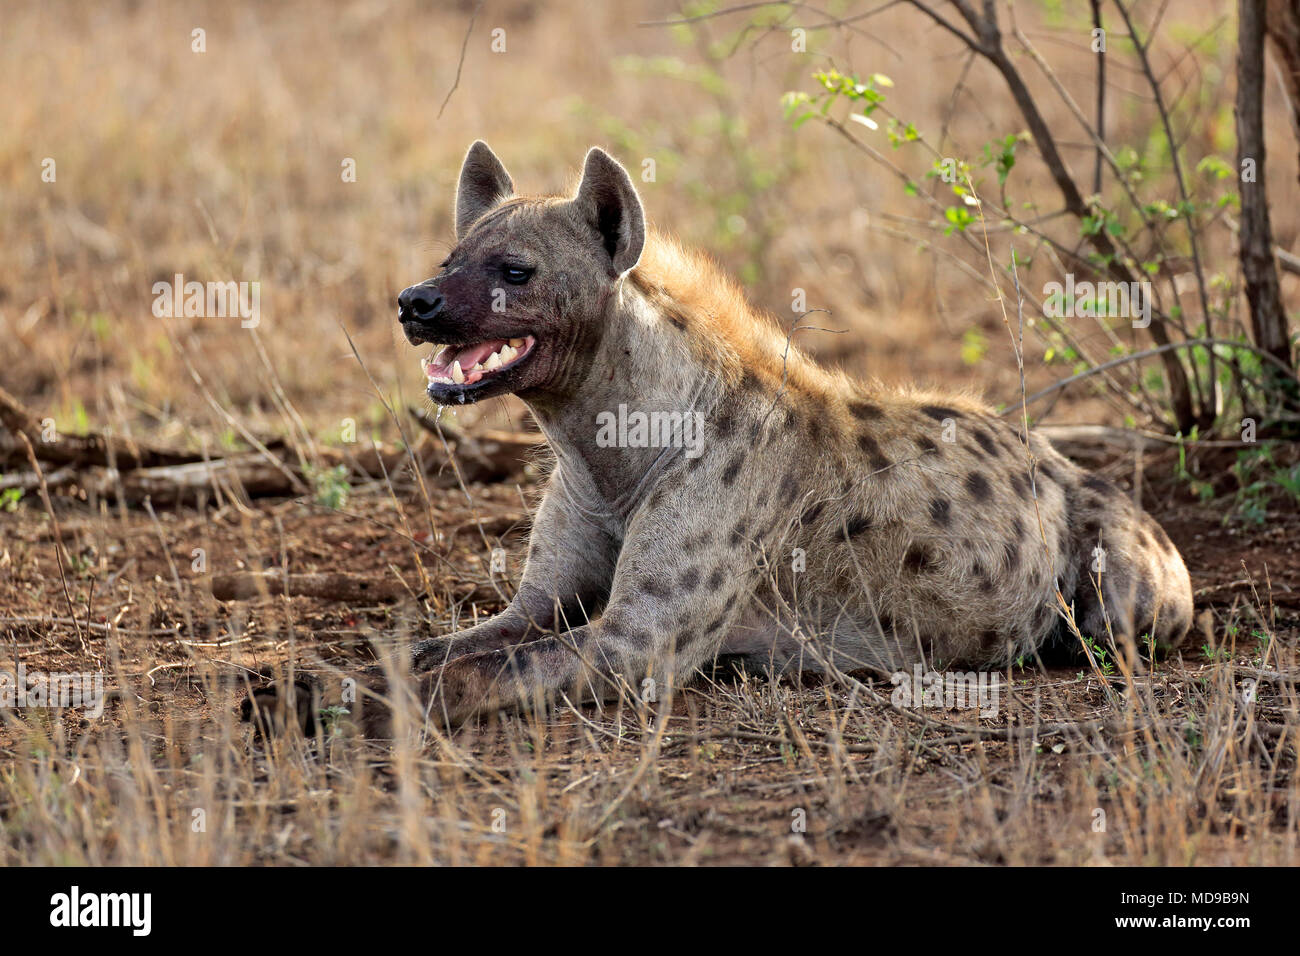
{"type": "Point", "coordinates": [808, 522]}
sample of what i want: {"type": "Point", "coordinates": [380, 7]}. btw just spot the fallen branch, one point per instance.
{"type": "Point", "coordinates": [495, 527]}
{"type": "Point", "coordinates": [89, 449]}
{"type": "Point", "coordinates": [249, 473]}
{"type": "Point", "coordinates": [332, 586]}
{"type": "Point", "coordinates": [337, 586]}
{"type": "Point", "coordinates": [486, 455]}
{"type": "Point", "coordinates": [1098, 436]}
{"type": "Point", "coordinates": [1138, 356]}
{"type": "Point", "coordinates": [108, 466]}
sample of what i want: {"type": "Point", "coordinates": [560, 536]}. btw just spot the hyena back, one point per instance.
{"type": "Point", "coordinates": [823, 523]}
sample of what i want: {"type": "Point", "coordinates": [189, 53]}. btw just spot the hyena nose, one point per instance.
{"type": "Point", "coordinates": [419, 303]}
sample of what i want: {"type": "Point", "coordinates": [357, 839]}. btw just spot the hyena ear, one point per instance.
{"type": "Point", "coordinates": [484, 182]}
{"type": "Point", "coordinates": [608, 202]}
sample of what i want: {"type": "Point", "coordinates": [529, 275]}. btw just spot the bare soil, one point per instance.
{"type": "Point", "coordinates": [743, 769]}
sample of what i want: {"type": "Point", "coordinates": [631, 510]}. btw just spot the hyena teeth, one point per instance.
{"type": "Point", "coordinates": [457, 375]}
{"type": "Point", "coordinates": [493, 362]}
{"type": "Point", "coordinates": [516, 343]}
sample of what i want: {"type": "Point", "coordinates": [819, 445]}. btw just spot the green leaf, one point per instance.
{"type": "Point", "coordinates": [973, 346]}
{"type": "Point", "coordinates": [1215, 167]}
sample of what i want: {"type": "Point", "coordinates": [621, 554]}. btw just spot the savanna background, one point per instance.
{"type": "Point", "coordinates": [228, 164]}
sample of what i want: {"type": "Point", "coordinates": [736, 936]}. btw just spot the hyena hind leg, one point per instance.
{"type": "Point", "coordinates": [1131, 580]}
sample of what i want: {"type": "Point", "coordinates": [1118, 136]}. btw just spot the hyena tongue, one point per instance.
{"type": "Point", "coordinates": [439, 364]}
{"type": "Point", "coordinates": [471, 355]}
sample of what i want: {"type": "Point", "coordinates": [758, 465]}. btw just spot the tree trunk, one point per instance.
{"type": "Point", "coordinates": [1282, 23]}
{"type": "Point", "coordinates": [1267, 317]}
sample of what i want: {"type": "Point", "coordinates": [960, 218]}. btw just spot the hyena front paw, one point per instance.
{"type": "Point", "coordinates": [283, 705]}
{"type": "Point", "coordinates": [444, 696]}
{"type": "Point", "coordinates": [434, 697]}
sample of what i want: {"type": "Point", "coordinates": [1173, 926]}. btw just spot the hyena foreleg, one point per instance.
{"type": "Point", "coordinates": [567, 575]}
{"type": "Point", "coordinates": [666, 615]}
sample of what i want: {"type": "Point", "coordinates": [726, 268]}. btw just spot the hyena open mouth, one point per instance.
{"type": "Point", "coordinates": [453, 369]}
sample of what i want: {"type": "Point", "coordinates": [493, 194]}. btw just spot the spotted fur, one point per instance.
{"type": "Point", "coordinates": [827, 522]}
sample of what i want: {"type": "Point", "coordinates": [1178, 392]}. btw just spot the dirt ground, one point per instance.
{"type": "Point", "coordinates": [737, 768]}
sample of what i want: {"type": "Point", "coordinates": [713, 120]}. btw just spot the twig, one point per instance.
{"type": "Point", "coordinates": [58, 537]}
{"type": "Point", "coordinates": [1101, 98]}
{"type": "Point", "coordinates": [464, 45]}
{"type": "Point", "coordinates": [333, 586]}
{"type": "Point", "coordinates": [1192, 236]}
{"type": "Point", "coordinates": [89, 449]}
{"type": "Point", "coordinates": [1136, 356]}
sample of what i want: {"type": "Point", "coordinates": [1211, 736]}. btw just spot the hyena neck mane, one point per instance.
{"type": "Point", "coordinates": [697, 304]}
{"type": "Point", "coordinates": [679, 338]}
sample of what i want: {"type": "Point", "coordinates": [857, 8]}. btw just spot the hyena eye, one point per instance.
{"type": "Point", "coordinates": [516, 275]}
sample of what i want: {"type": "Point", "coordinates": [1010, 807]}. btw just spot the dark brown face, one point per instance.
{"type": "Point", "coordinates": [516, 307]}
{"type": "Point", "coordinates": [507, 310]}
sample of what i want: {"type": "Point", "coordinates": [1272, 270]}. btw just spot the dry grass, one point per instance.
{"type": "Point", "coordinates": [1184, 773]}
{"type": "Point", "coordinates": [226, 165]}
{"type": "Point", "coordinates": [1172, 766]}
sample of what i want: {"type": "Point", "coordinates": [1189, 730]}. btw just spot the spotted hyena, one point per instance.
{"type": "Point", "coordinates": [809, 521]}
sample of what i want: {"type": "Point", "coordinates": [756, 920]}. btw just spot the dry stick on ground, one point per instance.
{"type": "Point", "coordinates": [249, 471]}
{"type": "Point", "coordinates": [89, 449]}
{"type": "Point", "coordinates": [336, 586]}
{"type": "Point", "coordinates": [1138, 356]}
{"type": "Point", "coordinates": [30, 480]}
{"type": "Point", "coordinates": [330, 586]}
{"type": "Point", "coordinates": [177, 484]}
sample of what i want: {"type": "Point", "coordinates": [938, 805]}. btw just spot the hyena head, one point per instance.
{"type": "Point", "coordinates": [519, 302]}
